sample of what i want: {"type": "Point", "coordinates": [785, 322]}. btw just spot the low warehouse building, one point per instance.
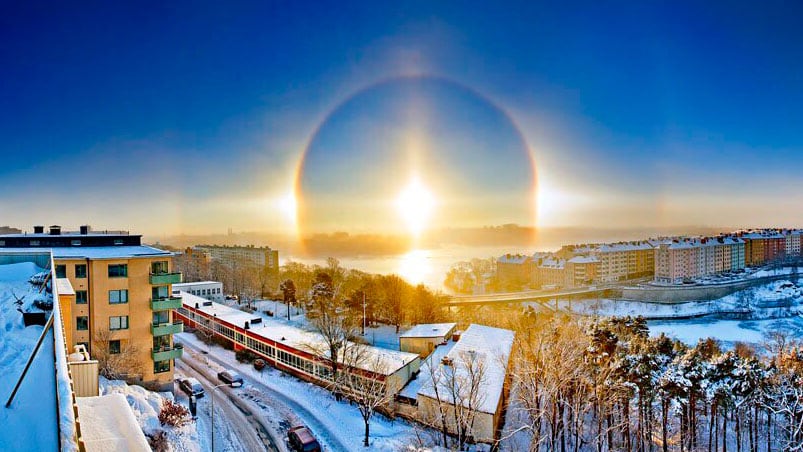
{"type": "Point", "coordinates": [423, 339]}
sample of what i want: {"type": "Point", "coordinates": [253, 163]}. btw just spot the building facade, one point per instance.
{"type": "Point", "coordinates": [684, 259]}
{"type": "Point", "coordinates": [210, 290]}
{"type": "Point", "coordinates": [262, 257]}
{"type": "Point", "coordinates": [122, 295]}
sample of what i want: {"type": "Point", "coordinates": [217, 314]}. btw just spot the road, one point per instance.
{"type": "Point", "coordinates": [280, 405]}
{"type": "Point", "coordinates": [251, 433]}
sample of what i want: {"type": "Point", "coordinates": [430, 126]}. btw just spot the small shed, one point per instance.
{"type": "Point", "coordinates": [423, 338]}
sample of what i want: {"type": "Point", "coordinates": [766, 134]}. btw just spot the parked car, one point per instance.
{"type": "Point", "coordinates": [301, 440]}
{"type": "Point", "coordinates": [231, 378]}
{"type": "Point", "coordinates": [191, 386]}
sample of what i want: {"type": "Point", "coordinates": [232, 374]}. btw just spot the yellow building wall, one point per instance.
{"type": "Point", "coordinates": [140, 316]}
{"type": "Point", "coordinates": [483, 427]}
{"type": "Point", "coordinates": [66, 306]}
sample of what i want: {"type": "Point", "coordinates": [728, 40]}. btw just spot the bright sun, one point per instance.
{"type": "Point", "coordinates": [415, 205]}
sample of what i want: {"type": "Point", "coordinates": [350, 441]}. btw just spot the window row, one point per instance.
{"type": "Point", "coordinates": [203, 292]}
{"type": "Point", "coordinates": [80, 271]}
{"type": "Point", "coordinates": [119, 322]}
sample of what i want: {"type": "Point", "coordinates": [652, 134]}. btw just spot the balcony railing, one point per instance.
{"type": "Point", "coordinates": [165, 353]}
{"type": "Point", "coordinates": [165, 303]}
{"type": "Point", "coordinates": [165, 278]}
{"type": "Point", "coordinates": [163, 329]}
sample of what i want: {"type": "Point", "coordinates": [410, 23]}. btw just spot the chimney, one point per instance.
{"type": "Point", "coordinates": [55, 230]}
{"type": "Point", "coordinates": [38, 229]}
{"type": "Point", "coordinates": [84, 229]}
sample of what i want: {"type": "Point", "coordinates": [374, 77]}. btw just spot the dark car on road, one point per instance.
{"type": "Point", "coordinates": [231, 378]}
{"type": "Point", "coordinates": [301, 440]}
{"type": "Point", "coordinates": [191, 386]}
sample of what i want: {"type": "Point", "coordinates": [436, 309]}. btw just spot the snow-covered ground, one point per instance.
{"type": "Point", "coordinates": [337, 425]}
{"type": "Point", "coordinates": [761, 301]}
{"type": "Point", "coordinates": [31, 421]}
{"type": "Point", "coordinates": [764, 308]}
{"type": "Point", "coordinates": [146, 406]}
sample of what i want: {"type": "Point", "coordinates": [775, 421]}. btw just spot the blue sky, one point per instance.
{"type": "Point", "coordinates": [650, 114]}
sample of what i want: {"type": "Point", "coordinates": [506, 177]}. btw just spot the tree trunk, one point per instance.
{"type": "Point", "coordinates": [725, 430]}
{"type": "Point", "coordinates": [664, 420]}
{"type": "Point", "coordinates": [367, 429]}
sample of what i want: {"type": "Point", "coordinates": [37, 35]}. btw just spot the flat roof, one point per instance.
{"type": "Point", "coordinates": [187, 284]}
{"type": "Point", "coordinates": [491, 347]}
{"type": "Point", "coordinates": [96, 252]}
{"type": "Point", "coordinates": [107, 423]}
{"type": "Point", "coordinates": [388, 361]}
{"type": "Point", "coordinates": [64, 286]}
{"type": "Point", "coordinates": [31, 422]}
{"type": "Point", "coordinates": [429, 330]}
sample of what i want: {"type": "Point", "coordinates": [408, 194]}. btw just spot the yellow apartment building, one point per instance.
{"type": "Point", "coordinates": [122, 295]}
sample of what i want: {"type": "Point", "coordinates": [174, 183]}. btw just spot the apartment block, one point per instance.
{"type": "Point", "coordinates": [262, 257]}
{"type": "Point", "coordinates": [684, 258]}
{"type": "Point", "coordinates": [122, 294]}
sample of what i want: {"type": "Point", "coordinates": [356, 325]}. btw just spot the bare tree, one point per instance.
{"type": "Point", "coordinates": [118, 363]}
{"type": "Point", "coordinates": [333, 322]}
{"type": "Point", "coordinates": [456, 386]}
{"type": "Point", "coordinates": [363, 380]}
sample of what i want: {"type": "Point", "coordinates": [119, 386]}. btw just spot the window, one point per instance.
{"type": "Point", "coordinates": [118, 270]}
{"type": "Point", "coordinates": [34, 242]}
{"type": "Point", "coordinates": [161, 366]}
{"type": "Point", "coordinates": [75, 242]}
{"type": "Point", "coordinates": [159, 267]}
{"type": "Point", "coordinates": [118, 296]}
{"type": "Point", "coordinates": [118, 322]}
{"type": "Point", "coordinates": [158, 292]}
{"type": "Point", "coordinates": [61, 271]}
{"type": "Point", "coordinates": [161, 317]}
{"type": "Point", "coordinates": [118, 241]}
{"type": "Point", "coordinates": [80, 297]}
{"type": "Point", "coordinates": [80, 270]}
{"type": "Point", "coordinates": [82, 323]}
{"type": "Point", "coordinates": [114, 347]}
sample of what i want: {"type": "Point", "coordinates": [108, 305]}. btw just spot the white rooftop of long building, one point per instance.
{"type": "Point", "coordinates": [377, 360]}
{"type": "Point", "coordinates": [196, 283]}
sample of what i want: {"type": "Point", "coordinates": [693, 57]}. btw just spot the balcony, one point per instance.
{"type": "Point", "coordinates": [165, 304]}
{"type": "Point", "coordinates": [160, 279]}
{"type": "Point", "coordinates": [163, 329]}
{"type": "Point", "coordinates": [165, 353]}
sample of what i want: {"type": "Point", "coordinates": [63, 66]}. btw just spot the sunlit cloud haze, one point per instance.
{"type": "Point", "coordinates": [193, 119]}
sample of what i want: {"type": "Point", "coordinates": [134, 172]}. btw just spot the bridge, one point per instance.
{"type": "Point", "coordinates": [530, 296]}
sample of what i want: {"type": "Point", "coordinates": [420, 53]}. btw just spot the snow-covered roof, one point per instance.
{"type": "Point", "coordinates": [64, 286]}
{"type": "Point", "coordinates": [583, 260]}
{"type": "Point", "coordinates": [552, 262]}
{"type": "Point", "coordinates": [491, 347]}
{"type": "Point", "coordinates": [430, 330]}
{"type": "Point", "coordinates": [107, 423]}
{"type": "Point", "coordinates": [388, 361]}
{"type": "Point", "coordinates": [197, 283]}
{"type": "Point", "coordinates": [513, 259]}
{"type": "Point", "coordinates": [31, 422]}
{"type": "Point", "coordinates": [96, 252]}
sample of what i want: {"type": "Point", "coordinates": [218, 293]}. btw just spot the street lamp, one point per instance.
{"type": "Point", "coordinates": [212, 393]}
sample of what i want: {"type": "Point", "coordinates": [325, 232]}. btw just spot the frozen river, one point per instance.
{"type": "Point", "coordinates": [726, 331]}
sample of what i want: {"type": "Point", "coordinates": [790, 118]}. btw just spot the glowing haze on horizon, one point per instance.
{"type": "Point", "coordinates": [191, 118]}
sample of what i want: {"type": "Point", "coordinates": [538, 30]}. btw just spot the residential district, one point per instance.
{"type": "Point", "coordinates": [87, 313]}
{"type": "Point", "coordinates": [672, 261]}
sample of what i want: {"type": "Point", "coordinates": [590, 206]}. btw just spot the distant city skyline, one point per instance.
{"type": "Point", "coordinates": [193, 118]}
